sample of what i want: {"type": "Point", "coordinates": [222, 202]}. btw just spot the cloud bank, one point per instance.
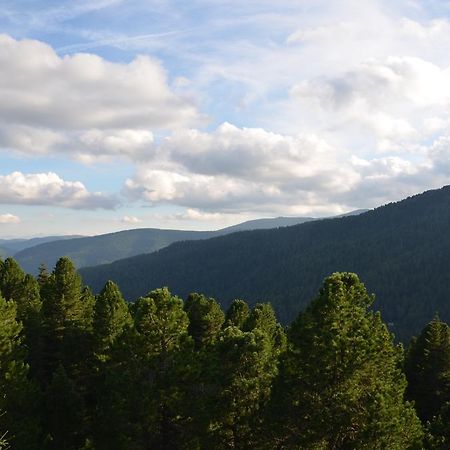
{"type": "Point", "coordinates": [82, 103]}
{"type": "Point", "coordinates": [49, 189]}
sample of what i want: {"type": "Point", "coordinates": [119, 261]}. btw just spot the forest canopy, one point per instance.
{"type": "Point", "coordinates": [83, 371]}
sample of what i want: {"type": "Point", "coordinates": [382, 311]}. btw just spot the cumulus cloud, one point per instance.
{"type": "Point", "coordinates": [233, 168]}
{"type": "Point", "coordinates": [83, 104]}
{"type": "Point", "coordinates": [399, 101]}
{"type": "Point", "coordinates": [9, 218]}
{"type": "Point", "coordinates": [50, 189]}
{"type": "Point", "coordinates": [250, 169]}
{"type": "Point", "coordinates": [131, 220]}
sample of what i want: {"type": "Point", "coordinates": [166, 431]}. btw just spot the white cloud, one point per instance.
{"type": "Point", "coordinates": [395, 103]}
{"type": "Point", "coordinates": [9, 218]}
{"type": "Point", "coordinates": [83, 104]}
{"type": "Point", "coordinates": [235, 168]}
{"type": "Point", "coordinates": [49, 189]}
{"type": "Point", "coordinates": [131, 220]}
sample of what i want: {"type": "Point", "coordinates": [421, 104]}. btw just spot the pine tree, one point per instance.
{"type": "Point", "coordinates": [67, 314]}
{"type": "Point", "coordinates": [239, 381]}
{"type": "Point", "coordinates": [427, 369]}
{"type": "Point", "coordinates": [64, 413]}
{"type": "Point", "coordinates": [24, 291]}
{"type": "Point", "coordinates": [205, 319]}
{"type": "Point", "coordinates": [111, 316]}
{"type": "Point", "coordinates": [262, 317]}
{"type": "Point", "coordinates": [237, 314]}
{"type": "Point", "coordinates": [340, 384]}
{"type": "Point", "coordinates": [144, 386]}
{"type": "Point", "coordinates": [18, 396]}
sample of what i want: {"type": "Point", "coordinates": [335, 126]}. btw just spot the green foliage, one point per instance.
{"type": "Point", "coordinates": [427, 369]}
{"type": "Point", "coordinates": [111, 316]}
{"type": "Point", "coordinates": [23, 289]}
{"type": "Point", "coordinates": [237, 314]}
{"type": "Point", "coordinates": [168, 374]}
{"type": "Point", "coordinates": [144, 393]}
{"type": "Point", "coordinates": [400, 251]}
{"type": "Point", "coordinates": [341, 384]}
{"type": "Point", "coordinates": [262, 317]}
{"type": "Point", "coordinates": [205, 319]}
{"type": "Point", "coordinates": [245, 367]}
{"type": "Point", "coordinates": [438, 430]}
{"type": "Point", "coordinates": [64, 413]}
{"type": "Point", "coordinates": [18, 396]}
{"type": "Point", "coordinates": [103, 249]}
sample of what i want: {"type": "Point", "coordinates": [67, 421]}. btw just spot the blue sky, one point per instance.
{"type": "Point", "coordinates": [117, 114]}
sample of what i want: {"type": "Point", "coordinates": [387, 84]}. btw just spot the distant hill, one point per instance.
{"type": "Point", "coordinates": [9, 247]}
{"type": "Point", "coordinates": [265, 224]}
{"type": "Point", "coordinates": [106, 248]}
{"type": "Point", "coordinates": [401, 251]}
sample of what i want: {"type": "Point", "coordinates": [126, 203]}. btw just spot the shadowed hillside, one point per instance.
{"type": "Point", "coordinates": [401, 251]}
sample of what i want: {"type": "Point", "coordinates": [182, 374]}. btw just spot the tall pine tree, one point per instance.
{"type": "Point", "coordinates": [341, 385]}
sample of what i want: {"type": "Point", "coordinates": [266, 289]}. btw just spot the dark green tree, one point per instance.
{"type": "Point", "coordinates": [144, 393]}
{"type": "Point", "coordinates": [18, 395]}
{"type": "Point", "coordinates": [67, 314]}
{"type": "Point", "coordinates": [237, 314]}
{"type": "Point", "coordinates": [427, 368]}
{"type": "Point", "coordinates": [23, 289]}
{"type": "Point", "coordinates": [111, 316]}
{"type": "Point", "coordinates": [341, 385]}
{"type": "Point", "coordinates": [239, 388]}
{"type": "Point", "coordinates": [205, 319]}
{"type": "Point", "coordinates": [64, 413]}
{"type": "Point", "coordinates": [438, 430]}
{"type": "Point", "coordinates": [262, 317]}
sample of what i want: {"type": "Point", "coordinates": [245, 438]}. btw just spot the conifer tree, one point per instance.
{"type": "Point", "coordinates": [18, 396]}
{"type": "Point", "coordinates": [428, 370]}
{"type": "Point", "coordinates": [262, 317]}
{"type": "Point", "coordinates": [111, 316]}
{"type": "Point", "coordinates": [341, 385]}
{"type": "Point", "coordinates": [237, 314]}
{"type": "Point", "coordinates": [144, 391]}
{"type": "Point", "coordinates": [245, 366]}
{"type": "Point", "coordinates": [205, 319]}
{"type": "Point", "coordinates": [64, 413]}
{"type": "Point", "coordinates": [23, 289]}
{"type": "Point", "coordinates": [67, 314]}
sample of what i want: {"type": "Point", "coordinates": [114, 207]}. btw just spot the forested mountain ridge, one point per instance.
{"type": "Point", "coordinates": [9, 247]}
{"type": "Point", "coordinates": [401, 251]}
{"type": "Point", "coordinates": [106, 248]}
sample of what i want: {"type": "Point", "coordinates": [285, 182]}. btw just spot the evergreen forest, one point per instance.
{"type": "Point", "coordinates": [400, 250]}
{"type": "Point", "coordinates": [83, 371]}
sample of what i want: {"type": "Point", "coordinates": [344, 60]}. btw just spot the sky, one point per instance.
{"type": "Point", "coordinates": [118, 114]}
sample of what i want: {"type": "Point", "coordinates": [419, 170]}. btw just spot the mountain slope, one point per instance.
{"type": "Point", "coordinates": [9, 247]}
{"type": "Point", "coordinates": [401, 251]}
{"type": "Point", "coordinates": [265, 224]}
{"type": "Point", "coordinates": [106, 248]}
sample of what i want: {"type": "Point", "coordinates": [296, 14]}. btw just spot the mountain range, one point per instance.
{"type": "Point", "coordinates": [106, 248]}
{"type": "Point", "coordinates": [400, 250]}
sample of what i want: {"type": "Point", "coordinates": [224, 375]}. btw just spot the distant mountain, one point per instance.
{"type": "Point", "coordinates": [106, 248]}
{"type": "Point", "coordinates": [9, 247]}
{"type": "Point", "coordinates": [401, 251]}
{"type": "Point", "coordinates": [264, 224]}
